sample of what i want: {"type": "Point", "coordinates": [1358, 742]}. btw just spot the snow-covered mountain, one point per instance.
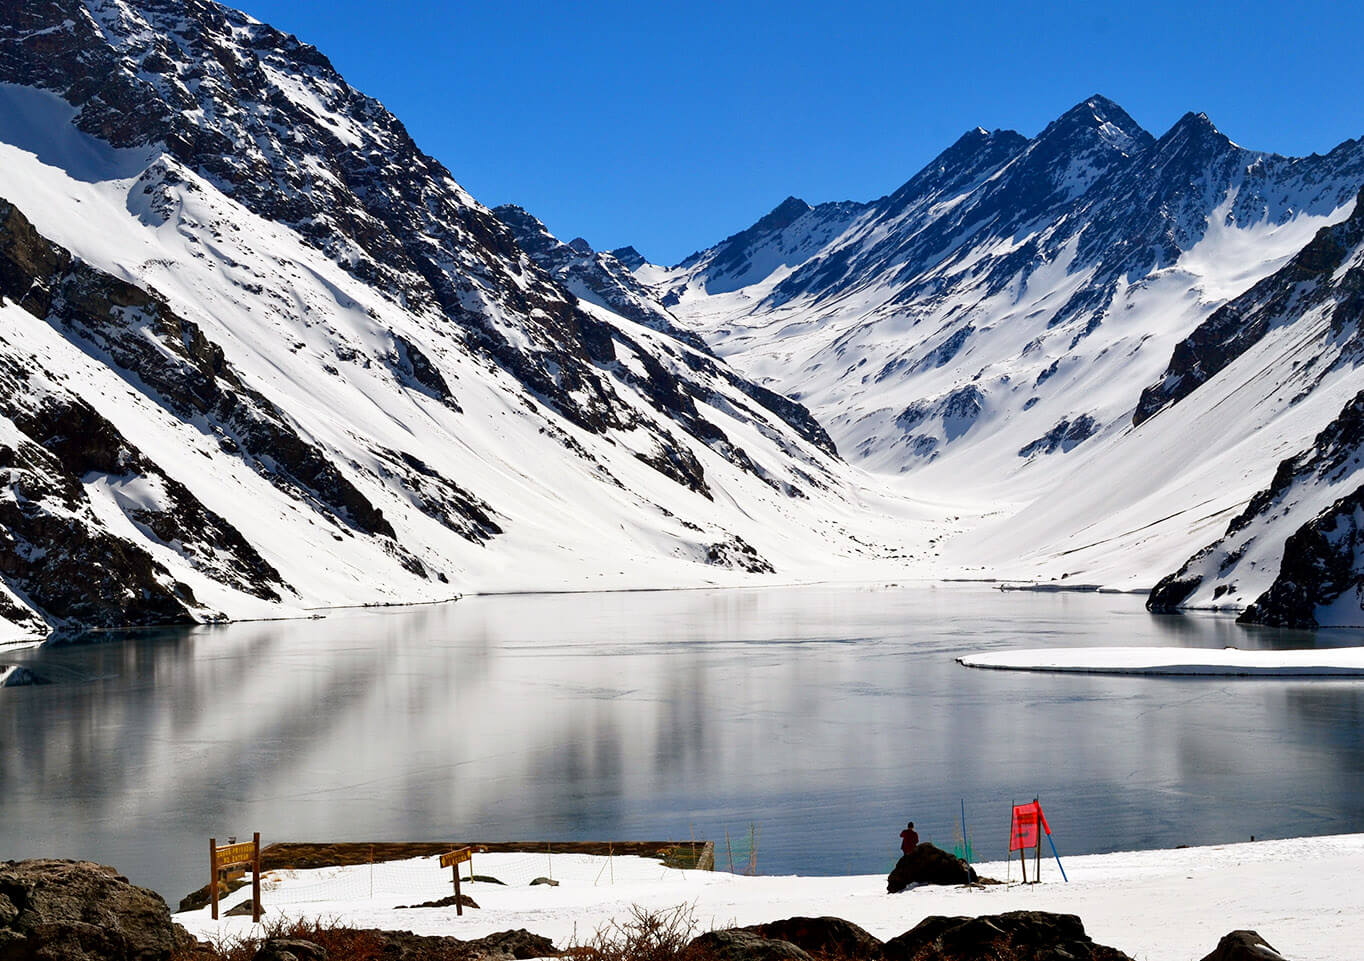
{"type": "Point", "coordinates": [260, 353]}
{"type": "Point", "coordinates": [1001, 328]}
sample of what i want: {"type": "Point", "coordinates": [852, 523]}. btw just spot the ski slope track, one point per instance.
{"type": "Point", "coordinates": [1045, 337]}
{"type": "Point", "coordinates": [261, 355]}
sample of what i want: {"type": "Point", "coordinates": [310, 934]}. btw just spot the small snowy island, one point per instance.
{"type": "Point", "coordinates": [1227, 662]}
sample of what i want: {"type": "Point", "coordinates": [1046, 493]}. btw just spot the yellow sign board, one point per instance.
{"type": "Point", "coordinates": [242, 853]}
{"type": "Point", "coordinates": [452, 858]}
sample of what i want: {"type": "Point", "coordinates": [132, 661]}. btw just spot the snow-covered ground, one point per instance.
{"type": "Point", "coordinates": [1302, 895]}
{"type": "Point", "coordinates": [1336, 662]}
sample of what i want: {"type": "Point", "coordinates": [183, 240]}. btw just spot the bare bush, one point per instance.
{"type": "Point", "coordinates": [646, 935]}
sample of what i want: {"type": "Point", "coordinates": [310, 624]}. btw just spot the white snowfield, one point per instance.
{"type": "Point", "coordinates": [1302, 895]}
{"type": "Point", "coordinates": [1230, 661]}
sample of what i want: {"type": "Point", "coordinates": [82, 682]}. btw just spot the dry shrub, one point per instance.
{"type": "Point", "coordinates": [646, 935]}
{"type": "Point", "coordinates": [342, 943]}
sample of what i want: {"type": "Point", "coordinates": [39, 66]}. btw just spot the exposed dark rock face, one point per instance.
{"type": "Point", "coordinates": [79, 911]}
{"type": "Point", "coordinates": [824, 937]}
{"type": "Point", "coordinates": [1065, 436]}
{"type": "Point", "coordinates": [1015, 936]}
{"type": "Point", "coordinates": [1322, 560]}
{"type": "Point", "coordinates": [928, 864]}
{"type": "Point", "coordinates": [1305, 283]}
{"type": "Point", "coordinates": [738, 553]}
{"type": "Point", "coordinates": [1243, 946]}
{"type": "Point", "coordinates": [743, 944]}
{"type": "Point", "coordinates": [1323, 563]}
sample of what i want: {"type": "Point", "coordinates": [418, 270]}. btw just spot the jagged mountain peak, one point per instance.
{"type": "Point", "coordinates": [1195, 129]}
{"type": "Point", "coordinates": [630, 257]}
{"type": "Point", "coordinates": [1101, 118]}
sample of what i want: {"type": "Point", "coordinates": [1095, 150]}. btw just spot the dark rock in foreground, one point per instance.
{"type": "Point", "coordinates": [928, 864]}
{"type": "Point", "coordinates": [743, 944]}
{"type": "Point", "coordinates": [517, 945]}
{"type": "Point", "coordinates": [1243, 946]}
{"type": "Point", "coordinates": [822, 936]}
{"type": "Point", "coordinates": [79, 911]}
{"type": "Point", "coordinates": [1015, 936]}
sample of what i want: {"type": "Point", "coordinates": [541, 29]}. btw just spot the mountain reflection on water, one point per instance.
{"type": "Point", "coordinates": [827, 716]}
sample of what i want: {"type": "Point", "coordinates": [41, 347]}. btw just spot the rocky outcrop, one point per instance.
{"type": "Point", "coordinates": [80, 911]}
{"type": "Point", "coordinates": [1015, 936]}
{"type": "Point", "coordinates": [1065, 436]}
{"type": "Point", "coordinates": [928, 864]}
{"type": "Point", "coordinates": [1312, 507]}
{"type": "Point", "coordinates": [1323, 566]}
{"type": "Point", "coordinates": [1243, 946]}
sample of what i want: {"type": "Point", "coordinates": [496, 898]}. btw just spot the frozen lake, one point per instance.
{"type": "Point", "coordinates": [825, 716]}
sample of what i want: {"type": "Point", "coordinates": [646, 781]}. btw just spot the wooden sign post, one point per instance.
{"type": "Point", "coordinates": [235, 855]}
{"type": "Point", "coordinates": [452, 860]}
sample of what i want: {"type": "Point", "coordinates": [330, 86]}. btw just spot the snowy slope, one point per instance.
{"type": "Point", "coordinates": [1299, 894]}
{"type": "Point", "coordinates": [296, 317]}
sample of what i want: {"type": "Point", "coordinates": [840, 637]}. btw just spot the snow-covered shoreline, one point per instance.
{"type": "Point", "coordinates": [1301, 894]}
{"type": "Point", "coordinates": [1227, 662]}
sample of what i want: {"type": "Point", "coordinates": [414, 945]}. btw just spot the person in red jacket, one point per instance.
{"type": "Point", "coordinates": [909, 839]}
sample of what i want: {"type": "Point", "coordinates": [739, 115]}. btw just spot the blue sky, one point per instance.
{"type": "Point", "coordinates": [670, 126]}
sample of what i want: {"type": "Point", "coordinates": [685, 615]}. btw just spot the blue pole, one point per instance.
{"type": "Point", "coordinates": [965, 844]}
{"type": "Point", "coordinates": [1058, 858]}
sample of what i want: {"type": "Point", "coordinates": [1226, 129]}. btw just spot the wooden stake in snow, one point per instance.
{"type": "Point", "coordinates": [452, 860]}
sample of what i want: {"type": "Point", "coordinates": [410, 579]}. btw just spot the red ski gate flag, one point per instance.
{"type": "Point", "coordinates": [1023, 832]}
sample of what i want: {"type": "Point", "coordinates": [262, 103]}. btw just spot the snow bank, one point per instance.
{"type": "Point", "coordinates": [1230, 661]}
{"type": "Point", "coordinates": [1302, 895]}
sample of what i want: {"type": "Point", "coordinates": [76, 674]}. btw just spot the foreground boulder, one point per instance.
{"type": "Point", "coordinates": [927, 864]}
{"type": "Point", "coordinates": [822, 936]}
{"type": "Point", "coordinates": [743, 944]}
{"type": "Point", "coordinates": [79, 911]}
{"type": "Point", "coordinates": [517, 945]}
{"type": "Point", "coordinates": [1015, 936]}
{"type": "Point", "coordinates": [1243, 946]}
